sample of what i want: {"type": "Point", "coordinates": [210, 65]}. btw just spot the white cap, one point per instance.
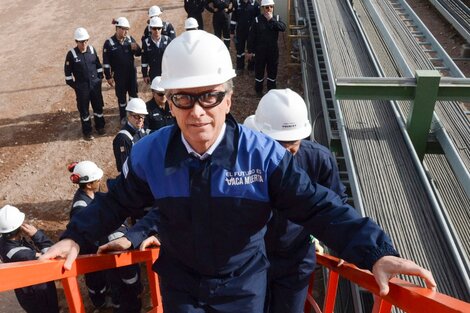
{"type": "Point", "coordinates": [156, 22]}
{"type": "Point", "coordinates": [282, 115]}
{"type": "Point", "coordinates": [81, 34]}
{"type": "Point", "coordinates": [196, 59]}
{"type": "Point", "coordinates": [191, 23]}
{"type": "Point", "coordinates": [266, 2]}
{"type": "Point", "coordinates": [85, 172]}
{"type": "Point", "coordinates": [10, 219]}
{"type": "Point", "coordinates": [137, 105]}
{"type": "Point", "coordinates": [250, 122]}
{"type": "Point", "coordinates": [154, 11]}
{"type": "Point", "coordinates": [122, 22]}
{"type": "Point", "coordinates": [156, 84]}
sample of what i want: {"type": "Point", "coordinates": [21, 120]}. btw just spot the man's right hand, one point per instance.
{"type": "Point", "coordinates": [66, 248]}
{"type": "Point", "coordinates": [119, 244]}
{"type": "Point", "coordinates": [147, 80]}
{"type": "Point", "coordinates": [110, 82]}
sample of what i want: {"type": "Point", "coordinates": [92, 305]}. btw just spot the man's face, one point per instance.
{"type": "Point", "coordinates": [291, 146]}
{"type": "Point", "coordinates": [156, 32]}
{"type": "Point", "coordinates": [268, 8]}
{"type": "Point", "coordinates": [136, 120]}
{"type": "Point", "coordinates": [121, 32]}
{"type": "Point", "coordinates": [82, 44]}
{"type": "Point", "coordinates": [201, 126]}
{"type": "Point", "coordinates": [160, 97]}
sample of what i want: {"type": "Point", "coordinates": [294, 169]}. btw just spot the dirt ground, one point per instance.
{"type": "Point", "coordinates": [38, 116]}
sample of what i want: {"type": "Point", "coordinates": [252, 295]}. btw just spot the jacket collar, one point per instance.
{"type": "Point", "coordinates": [225, 155]}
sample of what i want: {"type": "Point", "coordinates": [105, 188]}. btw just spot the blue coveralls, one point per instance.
{"type": "Point", "coordinates": [213, 215]}
{"type": "Point", "coordinates": [124, 141]}
{"type": "Point", "coordinates": [262, 41]}
{"type": "Point", "coordinates": [83, 72]}
{"type": "Point", "coordinates": [167, 30]}
{"type": "Point", "coordinates": [152, 56]}
{"type": "Point", "coordinates": [40, 298]}
{"type": "Point", "coordinates": [242, 18]}
{"type": "Point", "coordinates": [157, 117]}
{"type": "Point", "coordinates": [194, 8]}
{"type": "Point", "coordinates": [221, 18]}
{"type": "Point", "coordinates": [290, 253]}
{"type": "Point", "coordinates": [118, 63]}
{"type": "Point", "coordinates": [124, 282]}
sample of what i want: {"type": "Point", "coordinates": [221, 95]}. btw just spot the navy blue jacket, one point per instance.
{"type": "Point", "coordinates": [83, 69]}
{"type": "Point", "coordinates": [152, 56]}
{"type": "Point", "coordinates": [41, 298]}
{"type": "Point", "coordinates": [244, 15]}
{"type": "Point", "coordinates": [123, 143]}
{"type": "Point", "coordinates": [119, 58]}
{"type": "Point", "coordinates": [213, 213]}
{"type": "Point", "coordinates": [157, 117]}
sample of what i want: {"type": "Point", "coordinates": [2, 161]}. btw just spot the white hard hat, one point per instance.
{"type": "Point", "coordinates": [191, 23]}
{"type": "Point", "coordinates": [122, 22]}
{"type": "Point", "coordinates": [10, 219]}
{"type": "Point", "coordinates": [250, 122]}
{"type": "Point", "coordinates": [81, 34]}
{"type": "Point", "coordinates": [85, 172]}
{"type": "Point", "coordinates": [154, 11]}
{"type": "Point", "coordinates": [196, 59]}
{"type": "Point", "coordinates": [137, 105]}
{"type": "Point", "coordinates": [156, 84]}
{"type": "Point", "coordinates": [266, 2]}
{"type": "Point", "coordinates": [282, 115]}
{"type": "Point", "coordinates": [156, 22]}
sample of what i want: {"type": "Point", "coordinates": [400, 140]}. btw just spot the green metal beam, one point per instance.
{"type": "Point", "coordinates": [419, 122]}
{"type": "Point", "coordinates": [424, 90]}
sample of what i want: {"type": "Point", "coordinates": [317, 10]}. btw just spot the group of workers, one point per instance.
{"type": "Point", "coordinates": [233, 205]}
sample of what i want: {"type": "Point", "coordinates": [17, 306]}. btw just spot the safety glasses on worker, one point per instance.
{"type": "Point", "coordinates": [206, 100]}
{"type": "Point", "coordinates": [156, 28]}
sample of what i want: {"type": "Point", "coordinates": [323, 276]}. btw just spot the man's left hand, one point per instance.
{"type": "Point", "coordinates": [389, 266]}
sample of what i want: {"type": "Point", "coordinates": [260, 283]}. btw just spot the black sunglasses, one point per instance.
{"type": "Point", "coordinates": [206, 99]}
{"type": "Point", "coordinates": [161, 94]}
{"type": "Point", "coordinates": [81, 41]}
{"type": "Point", "coordinates": [156, 28]}
{"type": "Point", "coordinates": [269, 6]}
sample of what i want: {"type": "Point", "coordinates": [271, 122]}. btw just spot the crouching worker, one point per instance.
{"type": "Point", "coordinates": [24, 242]}
{"type": "Point", "coordinates": [124, 282]}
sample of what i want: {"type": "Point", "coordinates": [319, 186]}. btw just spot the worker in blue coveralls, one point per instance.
{"type": "Point", "coordinates": [123, 282]}
{"type": "Point", "coordinates": [21, 241]}
{"type": "Point", "coordinates": [282, 115]}
{"type": "Point", "coordinates": [83, 72]}
{"type": "Point", "coordinates": [118, 63]}
{"type": "Point", "coordinates": [215, 184]}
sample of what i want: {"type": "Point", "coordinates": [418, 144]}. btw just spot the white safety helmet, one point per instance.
{"type": "Point", "coordinates": [81, 34]}
{"type": "Point", "coordinates": [10, 219]}
{"type": "Point", "coordinates": [156, 22]}
{"type": "Point", "coordinates": [196, 59]}
{"type": "Point", "coordinates": [122, 22]}
{"type": "Point", "coordinates": [282, 115]}
{"type": "Point", "coordinates": [191, 24]}
{"type": "Point", "coordinates": [137, 105]}
{"type": "Point", "coordinates": [250, 122]}
{"type": "Point", "coordinates": [156, 84]}
{"type": "Point", "coordinates": [266, 2]}
{"type": "Point", "coordinates": [154, 11]}
{"type": "Point", "coordinates": [85, 172]}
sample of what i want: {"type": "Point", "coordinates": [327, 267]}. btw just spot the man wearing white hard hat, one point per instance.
{"type": "Point", "coordinates": [282, 115]}
{"type": "Point", "coordinates": [221, 11]}
{"type": "Point", "coordinates": [118, 63]}
{"type": "Point", "coordinates": [262, 44]}
{"type": "Point", "coordinates": [167, 27]}
{"type": "Point", "coordinates": [159, 114]}
{"type": "Point", "coordinates": [152, 50]}
{"type": "Point", "coordinates": [123, 283]}
{"type": "Point", "coordinates": [215, 184]}
{"type": "Point", "coordinates": [83, 72]}
{"type": "Point", "coordinates": [21, 241]}
{"type": "Point", "coordinates": [194, 9]}
{"type": "Point", "coordinates": [191, 24]}
{"type": "Point", "coordinates": [131, 132]}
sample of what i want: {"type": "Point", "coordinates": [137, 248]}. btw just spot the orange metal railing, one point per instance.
{"type": "Point", "coordinates": [21, 274]}
{"type": "Point", "coordinates": [404, 295]}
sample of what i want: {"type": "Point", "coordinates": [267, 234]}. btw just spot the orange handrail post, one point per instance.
{"type": "Point", "coordinates": [330, 298]}
{"type": "Point", "coordinates": [73, 295]}
{"type": "Point", "coordinates": [154, 283]}
{"type": "Point", "coordinates": [381, 306]}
